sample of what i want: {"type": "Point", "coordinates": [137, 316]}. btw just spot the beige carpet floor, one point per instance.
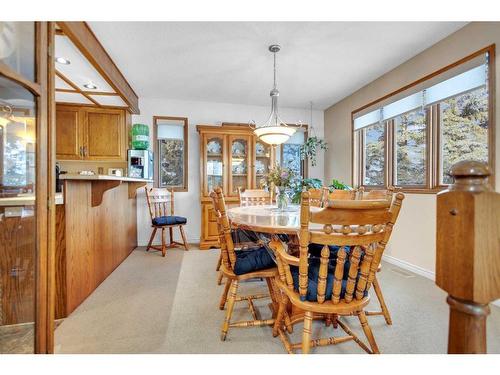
{"type": "Point", "coordinates": [151, 304]}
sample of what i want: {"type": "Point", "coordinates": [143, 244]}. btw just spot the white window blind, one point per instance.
{"type": "Point", "coordinates": [466, 81]}
{"type": "Point", "coordinates": [366, 120]}
{"type": "Point", "coordinates": [170, 131]}
{"type": "Point", "coordinates": [470, 80]}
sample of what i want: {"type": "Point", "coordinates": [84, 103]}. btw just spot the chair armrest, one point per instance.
{"type": "Point", "coordinates": [280, 251]}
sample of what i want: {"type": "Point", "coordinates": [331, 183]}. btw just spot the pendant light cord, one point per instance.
{"type": "Point", "coordinates": [274, 53]}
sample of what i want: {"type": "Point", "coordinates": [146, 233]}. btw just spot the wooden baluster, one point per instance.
{"type": "Point", "coordinates": [338, 275]}
{"type": "Point", "coordinates": [323, 270]}
{"type": "Point", "coordinates": [467, 257]}
{"type": "Point", "coordinates": [353, 273]}
{"type": "Point", "coordinates": [304, 245]}
{"type": "Point", "coordinates": [363, 272]}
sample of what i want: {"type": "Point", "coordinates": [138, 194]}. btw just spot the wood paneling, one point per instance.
{"type": "Point", "coordinates": [17, 270]}
{"type": "Point", "coordinates": [95, 239]}
{"type": "Point", "coordinates": [60, 267]}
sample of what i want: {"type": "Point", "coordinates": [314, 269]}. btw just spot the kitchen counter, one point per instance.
{"type": "Point", "coordinates": [101, 177]}
{"type": "Point", "coordinates": [96, 230]}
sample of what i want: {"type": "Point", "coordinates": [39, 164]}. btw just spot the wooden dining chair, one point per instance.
{"type": "Point", "coordinates": [318, 196]}
{"type": "Point", "coordinates": [356, 232]}
{"type": "Point", "coordinates": [374, 195]}
{"type": "Point", "coordinates": [248, 197]}
{"type": "Point", "coordinates": [236, 267]}
{"type": "Point", "coordinates": [342, 194]}
{"type": "Point", "coordinates": [161, 209]}
{"type": "Point", "coordinates": [254, 197]}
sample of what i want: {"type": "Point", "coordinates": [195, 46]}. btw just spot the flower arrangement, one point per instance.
{"type": "Point", "coordinates": [279, 177]}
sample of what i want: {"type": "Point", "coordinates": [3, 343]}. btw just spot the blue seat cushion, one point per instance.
{"type": "Point", "coordinates": [252, 260]}
{"type": "Point", "coordinates": [169, 220]}
{"type": "Point", "coordinates": [313, 273]}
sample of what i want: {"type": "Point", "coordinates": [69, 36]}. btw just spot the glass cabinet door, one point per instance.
{"type": "Point", "coordinates": [263, 162]}
{"type": "Point", "coordinates": [240, 164]}
{"type": "Point", "coordinates": [17, 218]}
{"type": "Point", "coordinates": [214, 167]}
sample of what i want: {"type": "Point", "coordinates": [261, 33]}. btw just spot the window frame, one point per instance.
{"type": "Point", "coordinates": [433, 151]}
{"type": "Point", "coordinates": [156, 153]}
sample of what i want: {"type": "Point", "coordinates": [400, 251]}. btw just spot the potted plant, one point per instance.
{"type": "Point", "coordinates": [310, 147]}
{"type": "Point", "coordinates": [280, 179]}
{"type": "Point", "coordinates": [304, 184]}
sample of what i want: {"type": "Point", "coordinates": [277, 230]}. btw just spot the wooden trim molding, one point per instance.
{"type": "Point", "coordinates": [85, 40]}
{"type": "Point", "coordinates": [156, 152]}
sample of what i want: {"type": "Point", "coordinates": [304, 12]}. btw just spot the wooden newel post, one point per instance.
{"type": "Point", "coordinates": [468, 254]}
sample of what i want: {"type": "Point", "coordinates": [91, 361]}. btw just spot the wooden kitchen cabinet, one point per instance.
{"type": "Point", "coordinates": [231, 157]}
{"type": "Point", "coordinates": [86, 133]}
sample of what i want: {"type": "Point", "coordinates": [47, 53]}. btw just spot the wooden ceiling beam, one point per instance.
{"type": "Point", "coordinates": [84, 39]}
{"type": "Point", "coordinates": [75, 87]}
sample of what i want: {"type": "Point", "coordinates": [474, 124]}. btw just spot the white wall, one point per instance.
{"type": "Point", "coordinates": [188, 204]}
{"type": "Point", "coordinates": [413, 243]}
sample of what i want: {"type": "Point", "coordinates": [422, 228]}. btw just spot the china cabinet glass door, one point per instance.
{"type": "Point", "coordinates": [263, 162]}
{"type": "Point", "coordinates": [240, 164]}
{"type": "Point", "coordinates": [214, 165]}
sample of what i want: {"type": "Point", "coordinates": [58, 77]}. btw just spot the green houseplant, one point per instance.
{"type": "Point", "coordinates": [309, 149]}
{"type": "Point", "coordinates": [306, 183]}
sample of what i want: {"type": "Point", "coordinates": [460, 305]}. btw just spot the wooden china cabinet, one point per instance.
{"type": "Point", "coordinates": [231, 157]}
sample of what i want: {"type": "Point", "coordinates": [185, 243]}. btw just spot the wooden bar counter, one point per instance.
{"type": "Point", "coordinates": [96, 229]}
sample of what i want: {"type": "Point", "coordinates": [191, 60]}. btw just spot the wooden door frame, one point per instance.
{"type": "Point", "coordinates": [43, 89]}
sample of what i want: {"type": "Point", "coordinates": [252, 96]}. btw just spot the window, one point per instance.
{"type": "Point", "coordinates": [413, 140]}
{"type": "Point", "coordinates": [464, 130]}
{"type": "Point", "coordinates": [374, 155]}
{"type": "Point", "coordinates": [289, 154]}
{"type": "Point", "coordinates": [410, 145]}
{"type": "Point", "coordinates": [171, 152]}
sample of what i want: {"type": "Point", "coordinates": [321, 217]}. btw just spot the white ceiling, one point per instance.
{"type": "Point", "coordinates": [229, 61]}
{"type": "Point", "coordinates": [80, 72]}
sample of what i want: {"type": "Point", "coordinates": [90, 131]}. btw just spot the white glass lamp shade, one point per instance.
{"type": "Point", "coordinates": [274, 135]}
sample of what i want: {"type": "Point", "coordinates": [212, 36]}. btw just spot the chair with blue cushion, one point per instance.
{"type": "Point", "coordinates": [241, 265]}
{"type": "Point", "coordinates": [161, 209]}
{"type": "Point", "coordinates": [352, 235]}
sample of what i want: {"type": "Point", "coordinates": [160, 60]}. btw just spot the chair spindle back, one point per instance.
{"type": "Point", "coordinates": [160, 202]}
{"type": "Point", "coordinates": [224, 229]}
{"type": "Point", "coordinates": [254, 197]}
{"type": "Point", "coordinates": [317, 197]}
{"type": "Point", "coordinates": [364, 226]}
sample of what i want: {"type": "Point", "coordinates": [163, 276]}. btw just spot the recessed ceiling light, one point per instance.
{"type": "Point", "coordinates": [62, 60]}
{"type": "Point", "coordinates": [90, 86]}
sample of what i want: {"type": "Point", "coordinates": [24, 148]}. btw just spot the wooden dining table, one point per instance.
{"type": "Point", "coordinates": [270, 220]}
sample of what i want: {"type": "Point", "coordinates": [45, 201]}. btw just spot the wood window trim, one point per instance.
{"type": "Point", "coordinates": [156, 151]}
{"type": "Point", "coordinates": [433, 132]}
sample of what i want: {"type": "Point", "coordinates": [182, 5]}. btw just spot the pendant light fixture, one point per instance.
{"type": "Point", "coordinates": [274, 131]}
